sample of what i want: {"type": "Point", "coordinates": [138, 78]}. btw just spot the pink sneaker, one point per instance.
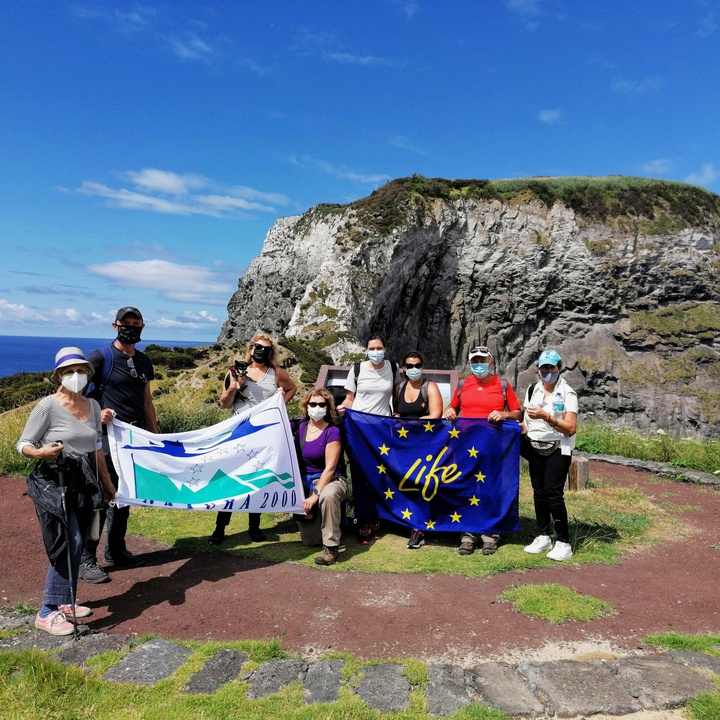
{"type": "Point", "coordinates": [81, 611]}
{"type": "Point", "coordinates": [55, 624]}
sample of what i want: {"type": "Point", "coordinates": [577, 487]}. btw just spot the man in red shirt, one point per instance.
{"type": "Point", "coordinates": [482, 395]}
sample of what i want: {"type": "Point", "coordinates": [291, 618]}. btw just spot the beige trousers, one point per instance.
{"type": "Point", "coordinates": [325, 527]}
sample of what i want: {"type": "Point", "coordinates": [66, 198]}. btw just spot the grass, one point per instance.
{"type": "Point", "coordinates": [605, 523]}
{"type": "Point", "coordinates": [555, 603]}
{"type": "Point", "coordinates": [707, 706]}
{"type": "Point", "coordinates": [34, 686]}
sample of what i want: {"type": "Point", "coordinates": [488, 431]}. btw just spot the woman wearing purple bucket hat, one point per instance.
{"type": "Point", "coordinates": [551, 408]}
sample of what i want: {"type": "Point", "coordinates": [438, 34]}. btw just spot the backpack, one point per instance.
{"type": "Point", "coordinates": [95, 391]}
{"type": "Point", "coordinates": [503, 384]}
{"type": "Point", "coordinates": [400, 389]}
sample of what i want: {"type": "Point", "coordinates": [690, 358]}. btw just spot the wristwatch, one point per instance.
{"type": "Point", "coordinates": [316, 491]}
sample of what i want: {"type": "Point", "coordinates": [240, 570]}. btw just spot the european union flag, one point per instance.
{"type": "Point", "coordinates": [435, 475]}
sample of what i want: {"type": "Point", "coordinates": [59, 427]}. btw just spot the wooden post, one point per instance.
{"type": "Point", "coordinates": [578, 474]}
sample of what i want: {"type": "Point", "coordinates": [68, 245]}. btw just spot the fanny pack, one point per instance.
{"type": "Point", "coordinates": [544, 448]}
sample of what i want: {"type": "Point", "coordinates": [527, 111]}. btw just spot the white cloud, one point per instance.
{"type": "Point", "coordinates": [706, 176]}
{"type": "Point", "coordinates": [188, 320]}
{"type": "Point", "coordinates": [366, 60]}
{"type": "Point", "coordinates": [203, 316]}
{"type": "Point", "coordinates": [11, 313]}
{"type": "Point", "coordinates": [661, 166]}
{"type": "Point", "coordinates": [339, 171]}
{"type": "Point", "coordinates": [637, 87]}
{"type": "Point", "coordinates": [192, 48]}
{"type": "Point", "coordinates": [403, 143]}
{"type": "Point", "coordinates": [170, 193]}
{"type": "Point", "coordinates": [550, 116]}
{"type": "Point", "coordinates": [183, 283]}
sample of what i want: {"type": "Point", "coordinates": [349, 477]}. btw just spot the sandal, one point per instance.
{"type": "Point", "coordinates": [365, 534]}
{"type": "Point", "coordinates": [467, 547]}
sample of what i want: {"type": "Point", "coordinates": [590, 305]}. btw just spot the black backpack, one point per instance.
{"type": "Point", "coordinates": [400, 389]}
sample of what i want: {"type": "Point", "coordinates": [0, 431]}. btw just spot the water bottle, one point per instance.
{"type": "Point", "coordinates": [558, 402]}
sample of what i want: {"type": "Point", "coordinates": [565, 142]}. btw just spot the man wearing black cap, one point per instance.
{"type": "Point", "coordinates": [122, 387]}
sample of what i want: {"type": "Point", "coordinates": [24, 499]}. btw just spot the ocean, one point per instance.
{"type": "Point", "coordinates": [19, 353]}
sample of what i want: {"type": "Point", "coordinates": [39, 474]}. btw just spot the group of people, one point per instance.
{"type": "Point", "coordinates": [74, 480]}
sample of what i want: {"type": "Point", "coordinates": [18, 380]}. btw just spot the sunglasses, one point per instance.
{"type": "Point", "coordinates": [410, 366]}
{"type": "Point", "coordinates": [131, 365]}
{"type": "Point", "coordinates": [317, 404]}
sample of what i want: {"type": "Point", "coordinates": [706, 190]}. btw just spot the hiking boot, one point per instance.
{"type": "Point", "coordinates": [218, 536]}
{"type": "Point", "coordinates": [467, 547]}
{"type": "Point", "coordinates": [54, 624]}
{"type": "Point", "coordinates": [417, 540]}
{"type": "Point", "coordinates": [328, 556]}
{"type": "Point", "coordinates": [92, 573]}
{"type": "Point", "coordinates": [80, 611]}
{"type": "Point", "coordinates": [257, 535]}
{"type": "Point", "coordinates": [561, 551]}
{"type": "Point", "coordinates": [124, 559]}
{"type": "Point", "coordinates": [490, 546]}
{"type": "Point", "coordinates": [539, 544]}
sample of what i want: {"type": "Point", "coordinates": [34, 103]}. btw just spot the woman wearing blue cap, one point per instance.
{"type": "Point", "coordinates": [550, 418]}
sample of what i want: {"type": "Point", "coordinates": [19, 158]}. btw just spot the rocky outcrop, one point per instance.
{"type": "Point", "coordinates": [629, 299]}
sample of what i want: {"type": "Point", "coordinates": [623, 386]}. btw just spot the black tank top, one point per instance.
{"type": "Point", "coordinates": [415, 409]}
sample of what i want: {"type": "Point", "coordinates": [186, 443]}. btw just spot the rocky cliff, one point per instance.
{"type": "Point", "coordinates": [621, 275]}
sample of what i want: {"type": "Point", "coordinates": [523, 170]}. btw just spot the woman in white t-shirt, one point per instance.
{"type": "Point", "coordinates": [371, 392]}
{"type": "Point", "coordinates": [551, 408]}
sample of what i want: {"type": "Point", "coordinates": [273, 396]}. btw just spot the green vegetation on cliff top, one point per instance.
{"type": "Point", "coordinates": [596, 199]}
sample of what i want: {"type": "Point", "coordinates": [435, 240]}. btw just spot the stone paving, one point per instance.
{"type": "Point", "coordinates": [559, 688]}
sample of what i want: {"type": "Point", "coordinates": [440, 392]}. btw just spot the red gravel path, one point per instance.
{"type": "Point", "coordinates": [669, 588]}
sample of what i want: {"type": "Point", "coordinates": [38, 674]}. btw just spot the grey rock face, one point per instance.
{"type": "Point", "coordinates": [446, 690]}
{"type": "Point", "coordinates": [274, 675]}
{"type": "Point", "coordinates": [90, 646]}
{"type": "Point", "coordinates": [383, 687]}
{"type": "Point", "coordinates": [223, 667]}
{"type": "Point", "coordinates": [153, 661]}
{"type": "Point", "coordinates": [323, 681]}
{"type": "Point", "coordinates": [500, 686]}
{"type": "Point", "coordinates": [697, 660]}
{"type": "Point", "coordinates": [514, 275]}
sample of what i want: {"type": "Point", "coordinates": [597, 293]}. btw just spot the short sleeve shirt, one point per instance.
{"type": "Point", "coordinates": [478, 399]}
{"type": "Point", "coordinates": [374, 388]}
{"type": "Point", "coordinates": [540, 430]}
{"type": "Point", "coordinates": [124, 391]}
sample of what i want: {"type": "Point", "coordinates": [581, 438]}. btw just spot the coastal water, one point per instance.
{"type": "Point", "coordinates": [19, 353]}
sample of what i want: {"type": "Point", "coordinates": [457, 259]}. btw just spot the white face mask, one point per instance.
{"type": "Point", "coordinates": [316, 413]}
{"type": "Point", "coordinates": [376, 356]}
{"type": "Point", "coordinates": [74, 383]}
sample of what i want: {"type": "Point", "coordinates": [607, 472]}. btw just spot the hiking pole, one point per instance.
{"type": "Point", "coordinates": [59, 464]}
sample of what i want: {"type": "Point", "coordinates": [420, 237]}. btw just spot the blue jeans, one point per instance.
{"type": "Point", "coordinates": [57, 581]}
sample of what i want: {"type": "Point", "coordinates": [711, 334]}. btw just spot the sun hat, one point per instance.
{"type": "Point", "coordinates": [122, 312]}
{"type": "Point", "coordinates": [548, 357]}
{"type": "Point", "coordinates": [70, 356]}
{"type": "Point", "coordinates": [480, 350]}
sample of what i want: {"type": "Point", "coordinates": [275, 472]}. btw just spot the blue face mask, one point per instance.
{"type": "Point", "coordinates": [413, 373]}
{"type": "Point", "coordinates": [376, 356]}
{"type": "Point", "coordinates": [480, 369]}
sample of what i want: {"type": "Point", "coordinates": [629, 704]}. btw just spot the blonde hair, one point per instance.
{"type": "Point", "coordinates": [273, 362]}
{"type": "Point", "coordinates": [332, 416]}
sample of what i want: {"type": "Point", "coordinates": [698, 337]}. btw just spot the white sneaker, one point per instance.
{"type": "Point", "coordinates": [540, 543]}
{"type": "Point", "coordinates": [561, 551]}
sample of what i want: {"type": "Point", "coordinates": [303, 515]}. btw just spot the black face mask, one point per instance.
{"type": "Point", "coordinates": [262, 354]}
{"type": "Point", "coordinates": [129, 334]}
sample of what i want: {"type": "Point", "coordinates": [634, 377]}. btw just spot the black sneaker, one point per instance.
{"type": "Point", "coordinates": [92, 573]}
{"type": "Point", "coordinates": [218, 536]}
{"type": "Point", "coordinates": [257, 535]}
{"type": "Point", "coordinates": [417, 540]}
{"type": "Point", "coordinates": [124, 559]}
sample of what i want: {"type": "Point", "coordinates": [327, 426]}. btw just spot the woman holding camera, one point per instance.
{"type": "Point", "coordinates": [246, 384]}
{"type": "Point", "coordinates": [63, 434]}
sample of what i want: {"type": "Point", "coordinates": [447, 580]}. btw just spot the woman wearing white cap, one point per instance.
{"type": "Point", "coordinates": [63, 434]}
{"type": "Point", "coordinates": [551, 408]}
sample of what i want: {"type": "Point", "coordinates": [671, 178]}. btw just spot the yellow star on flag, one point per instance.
{"type": "Point", "coordinates": [474, 500]}
{"type": "Point", "coordinates": [473, 452]}
{"type": "Point", "coordinates": [383, 449]}
{"type": "Point", "coordinates": [381, 469]}
{"type": "Point", "coordinates": [428, 426]}
{"type": "Point", "coordinates": [389, 494]}
{"type": "Point", "coordinates": [480, 477]}
{"type": "Point", "coordinates": [402, 432]}
{"type": "Point", "coordinates": [455, 517]}
{"type": "Point", "coordinates": [430, 525]}
{"type": "Point", "coordinates": [406, 514]}
{"type": "Point", "coordinates": [454, 433]}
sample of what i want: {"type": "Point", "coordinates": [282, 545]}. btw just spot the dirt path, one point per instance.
{"type": "Point", "coordinates": [669, 588]}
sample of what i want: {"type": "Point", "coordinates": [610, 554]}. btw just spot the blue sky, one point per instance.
{"type": "Point", "coordinates": [147, 147]}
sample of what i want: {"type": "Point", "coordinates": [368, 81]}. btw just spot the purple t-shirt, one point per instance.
{"type": "Point", "coordinates": [314, 450]}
